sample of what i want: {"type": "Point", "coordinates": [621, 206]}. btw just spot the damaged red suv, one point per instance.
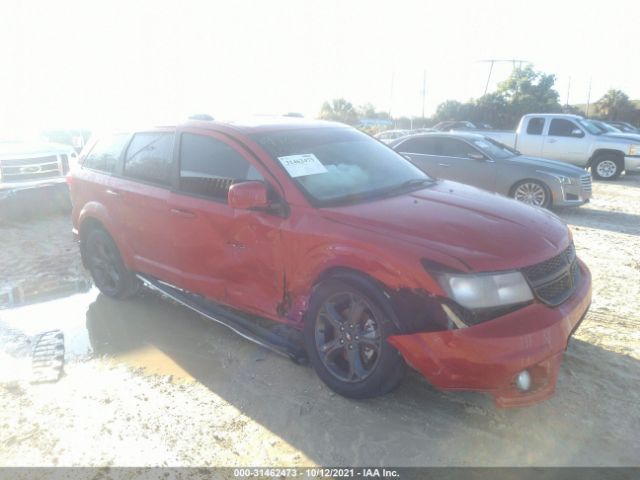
{"type": "Point", "coordinates": [318, 241]}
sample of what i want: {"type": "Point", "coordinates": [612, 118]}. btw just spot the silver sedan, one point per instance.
{"type": "Point", "coordinates": [482, 162]}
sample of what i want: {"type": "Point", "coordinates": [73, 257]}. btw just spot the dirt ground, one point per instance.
{"type": "Point", "coordinates": [147, 382]}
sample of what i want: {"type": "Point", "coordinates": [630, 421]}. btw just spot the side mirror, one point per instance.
{"type": "Point", "coordinates": [576, 132]}
{"type": "Point", "coordinates": [476, 156]}
{"type": "Point", "coordinates": [248, 195]}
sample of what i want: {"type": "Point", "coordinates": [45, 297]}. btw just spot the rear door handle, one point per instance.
{"type": "Point", "coordinates": [552, 140]}
{"type": "Point", "coordinates": [113, 193]}
{"type": "Point", "coordinates": [182, 213]}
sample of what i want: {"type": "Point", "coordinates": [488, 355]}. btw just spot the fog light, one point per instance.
{"type": "Point", "coordinates": [523, 381]}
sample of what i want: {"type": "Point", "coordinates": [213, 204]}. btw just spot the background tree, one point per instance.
{"type": "Point", "coordinates": [339, 110]}
{"type": "Point", "coordinates": [615, 105]}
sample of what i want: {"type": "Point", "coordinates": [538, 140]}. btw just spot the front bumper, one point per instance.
{"type": "Point", "coordinates": [487, 357]}
{"type": "Point", "coordinates": [571, 195]}
{"type": "Point", "coordinates": [8, 190]}
{"type": "Point", "coordinates": [632, 164]}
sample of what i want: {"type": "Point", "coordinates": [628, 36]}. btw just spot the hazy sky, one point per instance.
{"type": "Point", "coordinates": [67, 63]}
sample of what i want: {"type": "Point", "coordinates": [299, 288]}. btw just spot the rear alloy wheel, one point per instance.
{"type": "Point", "coordinates": [606, 167]}
{"type": "Point", "coordinates": [345, 336]}
{"type": "Point", "coordinates": [106, 266]}
{"type": "Point", "coordinates": [532, 192]}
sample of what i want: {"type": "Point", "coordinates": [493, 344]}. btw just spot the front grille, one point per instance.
{"type": "Point", "coordinates": [585, 183]}
{"type": "Point", "coordinates": [20, 170]}
{"type": "Point", "coordinates": [554, 280]}
{"type": "Point", "coordinates": [64, 161]}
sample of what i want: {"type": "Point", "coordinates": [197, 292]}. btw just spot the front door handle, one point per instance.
{"type": "Point", "coordinates": [113, 193]}
{"type": "Point", "coordinates": [552, 140]}
{"type": "Point", "coordinates": [182, 213]}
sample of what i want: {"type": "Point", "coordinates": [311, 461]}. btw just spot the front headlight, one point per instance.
{"type": "Point", "coordinates": [634, 150]}
{"type": "Point", "coordinates": [566, 180]}
{"type": "Point", "coordinates": [486, 290]}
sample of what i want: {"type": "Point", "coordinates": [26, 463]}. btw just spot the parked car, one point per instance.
{"type": "Point", "coordinates": [575, 140]}
{"type": "Point", "coordinates": [390, 135]}
{"type": "Point", "coordinates": [482, 162]}
{"type": "Point", "coordinates": [625, 127]}
{"type": "Point", "coordinates": [34, 165]}
{"type": "Point", "coordinates": [463, 125]}
{"type": "Point", "coordinates": [605, 127]}
{"type": "Point", "coordinates": [366, 262]}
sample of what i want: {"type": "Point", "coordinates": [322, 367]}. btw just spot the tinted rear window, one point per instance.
{"type": "Point", "coordinates": [105, 153]}
{"type": "Point", "coordinates": [149, 157]}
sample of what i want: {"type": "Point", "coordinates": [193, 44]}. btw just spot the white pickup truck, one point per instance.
{"type": "Point", "coordinates": [576, 140]}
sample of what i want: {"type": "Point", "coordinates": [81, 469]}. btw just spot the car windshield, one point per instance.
{"type": "Point", "coordinates": [335, 166]}
{"type": "Point", "coordinates": [494, 149]}
{"type": "Point", "coordinates": [590, 127]}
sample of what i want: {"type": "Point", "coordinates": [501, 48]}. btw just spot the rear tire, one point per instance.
{"type": "Point", "coordinates": [606, 166]}
{"type": "Point", "coordinates": [345, 336]}
{"type": "Point", "coordinates": [106, 266]}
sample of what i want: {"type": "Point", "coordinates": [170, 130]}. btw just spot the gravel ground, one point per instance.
{"type": "Point", "coordinates": [150, 383]}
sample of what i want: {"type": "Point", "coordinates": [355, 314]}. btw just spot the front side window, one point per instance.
{"type": "Point", "coordinates": [562, 128]}
{"type": "Point", "coordinates": [337, 166]}
{"type": "Point", "coordinates": [450, 147]}
{"type": "Point", "coordinates": [149, 157]}
{"type": "Point", "coordinates": [105, 153]}
{"type": "Point", "coordinates": [209, 166]}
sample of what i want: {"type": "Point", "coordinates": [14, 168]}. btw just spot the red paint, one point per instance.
{"type": "Point", "coordinates": [268, 264]}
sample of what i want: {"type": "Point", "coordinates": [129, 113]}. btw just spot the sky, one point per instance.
{"type": "Point", "coordinates": [110, 64]}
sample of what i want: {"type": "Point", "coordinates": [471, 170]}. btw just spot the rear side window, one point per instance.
{"type": "Point", "coordinates": [209, 167]}
{"type": "Point", "coordinates": [149, 157]}
{"type": "Point", "coordinates": [535, 126]}
{"type": "Point", "coordinates": [561, 127]}
{"type": "Point", "coordinates": [426, 146]}
{"type": "Point", "coordinates": [455, 148]}
{"type": "Point", "coordinates": [105, 153]}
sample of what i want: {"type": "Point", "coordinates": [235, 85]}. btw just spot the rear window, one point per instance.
{"type": "Point", "coordinates": [425, 146]}
{"type": "Point", "coordinates": [106, 152]}
{"type": "Point", "coordinates": [149, 157]}
{"type": "Point", "coordinates": [535, 126]}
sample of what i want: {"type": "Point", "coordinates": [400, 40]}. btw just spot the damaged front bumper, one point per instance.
{"type": "Point", "coordinates": [488, 356]}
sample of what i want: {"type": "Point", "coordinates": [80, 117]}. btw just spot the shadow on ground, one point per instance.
{"type": "Point", "coordinates": [587, 422]}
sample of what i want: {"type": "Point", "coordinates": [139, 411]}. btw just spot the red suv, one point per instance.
{"type": "Point", "coordinates": [324, 244]}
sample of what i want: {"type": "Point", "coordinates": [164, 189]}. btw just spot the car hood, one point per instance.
{"type": "Point", "coordinates": [631, 137]}
{"type": "Point", "coordinates": [478, 229]}
{"type": "Point", "coordinates": [32, 148]}
{"type": "Point", "coordinates": [552, 166]}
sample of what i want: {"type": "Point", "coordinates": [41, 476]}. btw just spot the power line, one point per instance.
{"type": "Point", "coordinates": [492, 61]}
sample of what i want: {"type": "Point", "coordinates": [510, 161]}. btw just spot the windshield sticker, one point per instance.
{"type": "Point", "coordinates": [482, 144]}
{"type": "Point", "coordinates": [302, 165]}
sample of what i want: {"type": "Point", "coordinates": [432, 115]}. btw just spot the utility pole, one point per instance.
{"type": "Point", "coordinates": [492, 61]}
{"type": "Point", "coordinates": [588, 98]}
{"type": "Point", "coordinates": [393, 74]}
{"type": "Point", "coordinates": [568, 91]}
{"type": "Point", "coordinates": [424, 92]}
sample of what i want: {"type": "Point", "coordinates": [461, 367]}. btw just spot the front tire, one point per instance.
{"type": "Point", "coordinates": [532, 192]}
{"type": "Point", "coordinates": [104, 262]}
{"type": "Point", "coordinates": [345, 336]}
{"type": "Point", "coordinates": [606, 167]}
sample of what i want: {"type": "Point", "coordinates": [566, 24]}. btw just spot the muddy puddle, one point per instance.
{"type": "Point", "coordinates": [143, 333]}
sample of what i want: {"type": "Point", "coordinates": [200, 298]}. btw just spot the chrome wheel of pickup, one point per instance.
{"type": "Point", "coordinates": [606, 169]}
{"type": "Point", "coordinates": [607, 166]}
